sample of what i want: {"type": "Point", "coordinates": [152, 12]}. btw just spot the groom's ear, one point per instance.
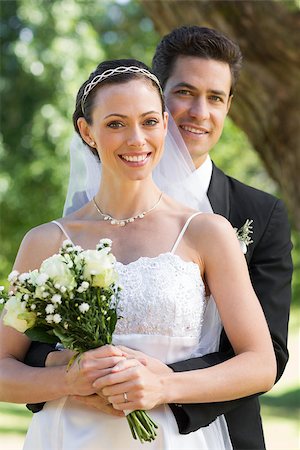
{"type": "Point", "coordinates": [85, 131]}
{"type": "Point", "coordinates": [229, 102]}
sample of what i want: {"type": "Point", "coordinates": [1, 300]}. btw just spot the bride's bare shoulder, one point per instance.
{"type": "Point", "coordinates": [210, 227]}
{"type": "Point", "coordinates": [38, 244]}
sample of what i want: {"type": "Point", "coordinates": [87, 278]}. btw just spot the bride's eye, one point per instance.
{"type": "Point", "coordinates": [115, 124]}
{"type": "Point", "coordinates": [151, 122]}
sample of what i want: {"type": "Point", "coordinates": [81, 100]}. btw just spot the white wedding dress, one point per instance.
{"type": "Point", "coordinates": [163, 303]}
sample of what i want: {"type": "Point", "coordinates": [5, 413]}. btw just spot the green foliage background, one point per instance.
{"type": "Point", "coordinates": [47, 50]}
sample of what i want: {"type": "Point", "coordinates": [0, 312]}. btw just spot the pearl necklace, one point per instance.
{"type": "Point", "coordinates": [123, 222]}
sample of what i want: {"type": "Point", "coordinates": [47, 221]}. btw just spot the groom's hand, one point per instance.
{"type": "Point", "coordinates": [100, 402]}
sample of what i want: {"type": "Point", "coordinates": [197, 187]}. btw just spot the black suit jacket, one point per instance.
{"type": "Point", "coordinates": [270, 266]}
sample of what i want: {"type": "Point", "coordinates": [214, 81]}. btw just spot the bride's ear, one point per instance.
{"type": "Point", "coordinates": [165, 121]}
{"type": "Point", "coordinates": [85, 131]}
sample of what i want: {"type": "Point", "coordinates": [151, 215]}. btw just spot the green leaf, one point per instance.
{"type": "Point", "coordinates": [41, 335]}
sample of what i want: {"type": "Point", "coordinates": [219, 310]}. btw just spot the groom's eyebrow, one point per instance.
{"type": "Point", "coordinates": [191, 87]}
{"type": "Point", "coordinates": [182, 84]}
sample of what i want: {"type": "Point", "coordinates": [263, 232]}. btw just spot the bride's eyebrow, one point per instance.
{"type": "Point", "coordinates": [124, 116]}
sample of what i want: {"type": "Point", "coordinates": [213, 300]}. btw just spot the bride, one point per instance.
{"type": "Point", "coordinates": [169, 259]}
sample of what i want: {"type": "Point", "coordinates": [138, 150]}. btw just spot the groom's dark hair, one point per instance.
{"type": "Point", "coordinates": [196, 41]}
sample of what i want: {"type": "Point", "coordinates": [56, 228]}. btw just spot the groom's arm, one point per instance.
{"type": "Point", "coordinates": [36, 357]}
{"type": "Point", "coordinates": [271, 272]}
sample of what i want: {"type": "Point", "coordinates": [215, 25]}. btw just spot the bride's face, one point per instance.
{"type": "Point", "coordinates": [128, 128]}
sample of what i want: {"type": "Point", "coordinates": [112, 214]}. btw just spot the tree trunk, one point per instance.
{"type": "Point", "coordinates": [267, 100]}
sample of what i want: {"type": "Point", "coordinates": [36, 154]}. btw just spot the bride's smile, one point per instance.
{"type": "Point", "coordinates": [128, 128]}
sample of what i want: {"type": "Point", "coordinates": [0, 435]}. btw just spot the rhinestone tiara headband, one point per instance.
{"type": "Point", "coordinates": [110, 73]}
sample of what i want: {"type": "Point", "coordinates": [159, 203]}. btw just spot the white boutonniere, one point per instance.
{"type": "Point", "coordinates": [243, 235]}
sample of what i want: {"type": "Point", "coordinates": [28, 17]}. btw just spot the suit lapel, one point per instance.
{"type": "Point", "coordinates": [218, 193]}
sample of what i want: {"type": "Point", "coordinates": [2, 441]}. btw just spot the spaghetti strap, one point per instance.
{"type": "Point", "coordinates": [62, 229]}
{"type": "Point", "coordinates": [183, 231]}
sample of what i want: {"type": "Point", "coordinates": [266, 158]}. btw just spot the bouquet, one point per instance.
{"type": "Point", "coordinates": [73, 298]}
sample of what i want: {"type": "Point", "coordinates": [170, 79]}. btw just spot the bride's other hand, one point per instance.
{"type": "Point", "coordinates": [90, 366]}
{"type": "Point", "coordinates": [153, 364]}
{"type": "Point", "coordinates": [144, 389]}
{"type": "Point", "coordinates": [99, 402]}
{"type": "Point", "coordinates": [58, 358]}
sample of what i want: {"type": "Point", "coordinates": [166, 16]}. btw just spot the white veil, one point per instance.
{"type": "Point", "coordinates": [173, 175]}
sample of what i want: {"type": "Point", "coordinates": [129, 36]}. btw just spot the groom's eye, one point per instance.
{"type": "Point", "coordinates": [183, 92]}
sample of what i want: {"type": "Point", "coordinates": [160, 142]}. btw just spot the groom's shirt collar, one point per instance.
{"type": "Point", "coordinates": [203, 175]}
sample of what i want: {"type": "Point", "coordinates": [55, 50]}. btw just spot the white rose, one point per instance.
{"type": "Point", "coordinates": [58, 271]}
{"type": "Point", "coordinates": [16, 317]}
{"type": "Point", "coordinates": [101, 266]}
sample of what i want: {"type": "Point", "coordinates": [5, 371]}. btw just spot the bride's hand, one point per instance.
{"type": "Point", "coordinates": [153, 364]}
{"type": "Point", "coordinates": [90, 366]}
{"type": "Point", "coordinates": [144, 389]}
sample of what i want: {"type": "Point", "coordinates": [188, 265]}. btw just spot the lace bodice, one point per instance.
{"type": "Point", "coordinates": [164, 296]}
{"type": "Point", "coordinates": [161, 296]}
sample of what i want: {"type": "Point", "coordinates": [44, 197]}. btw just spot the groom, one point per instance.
{"type": "Point", "coordinates": [198, 69]}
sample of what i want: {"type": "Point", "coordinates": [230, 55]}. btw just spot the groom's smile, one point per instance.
{"type": "Point", "coordinates": [198, 96]}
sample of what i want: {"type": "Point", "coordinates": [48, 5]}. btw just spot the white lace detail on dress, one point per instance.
{"type": "Point", "coordinates": [164, 295]}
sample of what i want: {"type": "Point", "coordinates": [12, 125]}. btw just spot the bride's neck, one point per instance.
{"type": "Point", "coordinates": [126, 200]}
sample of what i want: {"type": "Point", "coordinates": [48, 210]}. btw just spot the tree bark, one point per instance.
{"type": "Point", "coordinates": [267, 101]}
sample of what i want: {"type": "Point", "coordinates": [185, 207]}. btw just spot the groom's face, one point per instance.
{"type": "Point", "coordinates": [197, 94]}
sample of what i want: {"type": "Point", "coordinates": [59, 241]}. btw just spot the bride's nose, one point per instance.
{"type": "Point", "coordinates": [136, 138]}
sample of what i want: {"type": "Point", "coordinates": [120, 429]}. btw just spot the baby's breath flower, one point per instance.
{"type": "Point", "coordinates": [1, 288]}
{"type": "Point", "coordinates": [67, 243]}
{"type": "Point", "coordinates": [63, 289]}
{"type": "Point", "coordinates": [56, 298]}
{"type": "Point", "coordinates": [57, 318]}
{"type": "Point", "coordinates": [85, 285]}
{"type": "Point", "coordinates": [49, 318]}
{"type": "Point", "coordinates": [45, 294]}
{"type": "Point", "coordinates": [49, 309]}
{"type": "Point", "coordinates": [24, 276]}
{"type": "Point", "coordinates": [13, 276]}
{"type": "Point", "coordinates": [33, 306]}
{"type": "Point", "coordinates": [104, 243]}
{"type": "Point", "coordinates": [84, 307]}
{"type": "Point", "coordinates": [57, 286]}
{"type": "Point", "coordinates": [25, 297]}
